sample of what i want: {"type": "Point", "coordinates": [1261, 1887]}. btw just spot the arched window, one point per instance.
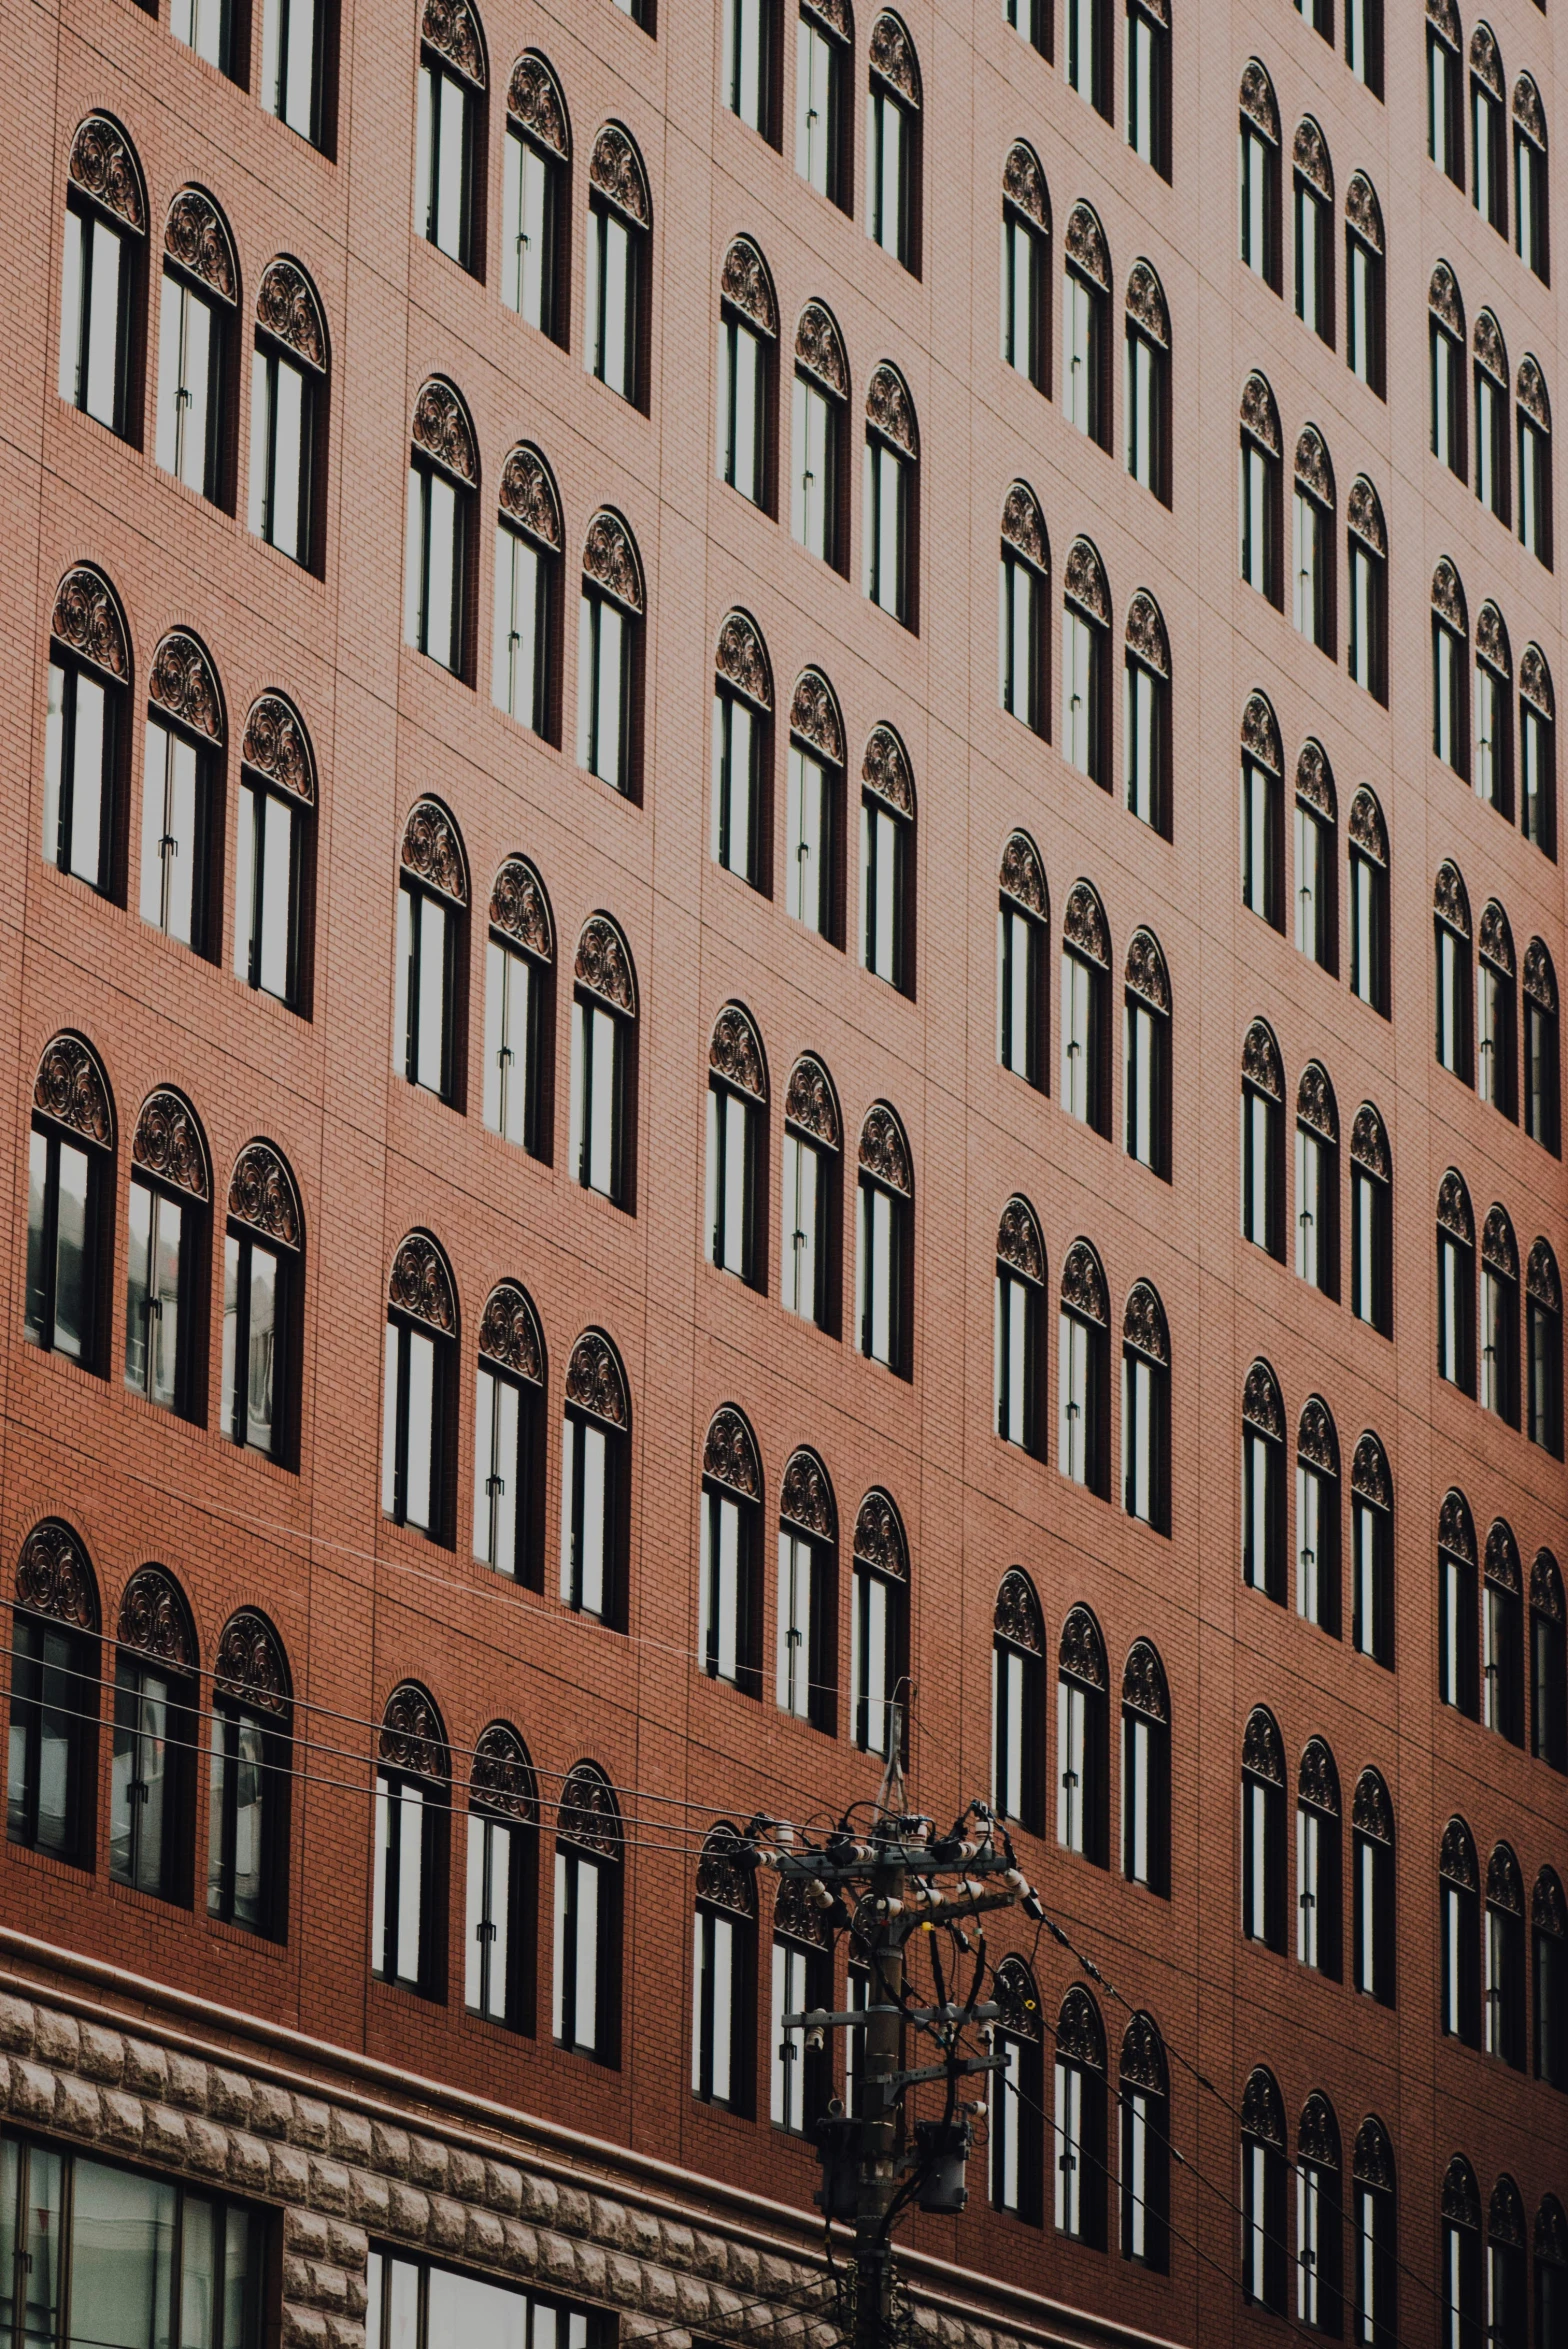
{"type": "Point", "coordinates": [736, 1224]}
{"type": "Point", "coordinates": [729, 1599]}
{"type": "Point", "coordinates": [1263, 1484]}
{"type": "Point", "coordinates": [1020, 1331]}
{"type": "Point", "coordinates": [501, 1907]}
{"type": "Point", "coordinates": [417, 1393]}
{"type": "Point", "coordinates": [1317, 1180]}
{"type": "Point", "coordinates": [800, 2075]}
{"type": "Point", "coordinates": [1018, 1704]}
{"type": "Point", "coordinates": [806, 1677]}
{"type": "Point", "coordinates": [1491, 415]}
{"type": "Point", "coordinates": [610, 656]}
{"type": "Point", "coordinates": [1316, 827]}
{"type": "Point", "coordinates": [887, 860]}
{"type": "Point", "coordinates": [1504, 1984]}
{"type": "Point", "coordinates": [1148, 371]}
{"type": "Point", "coordinates": [519, 1008]}
{"type": "Point", "coordinates": [182, 768]}
{"type": "Point", "coordinates": [1462, 2284]}
{"type": "Point", "coordinates": [814, 808]}
{"type": "Point", "coordinates": [1317, 1517]}
{"type": "Point", "coordinates": [603, 1135]}
{"type": "Point", "coordinates": [198, 312]}
{"type": "Point", "coordinates": [70, 1203]}
{"type": "Point", "coordinates": [1264, 2184]}
{"type": "Point", "coordinates": [1149, 84]}
{"type": "Point", "coordinates": [52, 1781]}
{"type": "Point", "coordinates": [1541, 1078]}
{"type": "Point", "coordinates": [724, 1967]}
{"type": "Point", "coordinates": [1263, 1865]}
{"type": "Point", "coordinates": [1372, 1552]}
{"type": "Point", "coordinates": [618, 266]}
{"type": "Point", "coordinates": [1458, 1674]}
{"type": "Point", "coordinates": [450, 164]}
{"type": "Point", "coordinates": [1369, 913]}
{"type": "Point", "coordinates": [1146, 1772]}
{"type": "Point", "coordinates": [1083, 1372]}
{"type": "Point", "coordinates": [884, 1251]}
{"type": "Point", "coordinates": [824, 98]}
{"type": "Point", "coordinates": [595, 1481]}
{"type": "Point", "coordinates": [1083, 1762]}
{"type": "Point", "coordinates": [443, 476]}
{"type": "Point", "coordinates": [1460, 1886]}
{"type": "Point", "coordinates": [1262, 1141]}
{"type": "Point", "coordinates": [1455, 1284]}
{"type": "Point", "coordinates": [1493, 771]}
{"type": "Point", "coordinates": [1318, 1894]}
{"type": "Point", "coordinates": [1366, 546]}
{"type": "Point", "coordinates": [1446, 352]}
{"type": "Point", "coordinates": [891, 521]}
{"type": "Point", "coordinates": [1022, 926]}
{"type": "Point", "coordinates": [170, 1201]}
{"type": "Point", "coordinates": [1499, 1317]}
{"type": "Point", "coordinates": [509, 1437]}
{"type": "Point", "coordinates": [809, 1218]}
{"type": "Point", "coordinates": [1312, 181]}
{"type": "Point", "coordinates": [1445, 131]}
{"type": "Point", "coordinates": [1488, 139]}
{"type": "Point", "coordinates": [248, 1808]}
{"type": "Point", "coordinates": [263, 1305]}
{"type": "Point", "coordinates": [1373, 1924]}
{"type": "Point", "coordinates": [1086, 979]}
{"type": "Point", "coordinates": [86, 737]}
{"type": "Point", "coordinates": [1537, 751]}
{"type": "Point", "coordinates": [1146, 714]}
{"type": "Point", "coordinates": [586, 1970]}
{"type": "Point", "coordinates": [1145, 2100]}
{"type": "Point", "coordinates": [1080, 2134]}
{"type": "Point", "coordinates": [1502, 1636]}
{"type": "Point", "coordinates": [1450, 628]}
{"type": "Point", "coordinates": [1507, 2294]}
{"type": "Point", "coordinates": [527, 616]}
{"type": "Point", "coordinates": [1533, 432]}
{"type": "Point", "coordinates": [1549, 1932]}
{"type": "Point", "coordinates": [274, 860]}
{"type": "Point", "coordinates": [819, 415]}
{"type": "Point", "coordinates": [1016, 2134]}
{"type": "Point", "coordinates": [1312, 538]}
{"type": "Point", "coordinates": [535, 200]}
{"type": "Point", "coordinates": [879, 1624]}
{"type": "Point", "coordinates": [1532, 204]}
{"type": "Point", "coordinates": [432, 937]}
{"type": "Point", "coordinates": [288, 381]}
{"type": "Point", "coordinates": [1548, 1666]}
{"type": "Point", "coordinates": [1026, 246]}
{"type": "Point", "coordinates": [1262, 814]}
{"type": "Point", "coordinates": [1147, 1011]}
{"type": "Point", "coordinates": [1086, 665]}
{"type": "Point", "coordinates": [100, 275]}
{"type": "Point", "coordinates": [152, 1777]}
{"type": "Point", "coordinates": [1146, 1409]}
{"type": "Point", "coordinates": [748, 364]}
{"type": "Point", "coordinates": [1451, 919]}
{"type": "Point", "coordinates": [893, 142]}
{"type": "Point", "coordinates": [1551, 2269]}
{"type": "Point", "coordinates": [1260, 237]}
{"type": "Point", "coordinates": [1320, 2246]}
{"type": "Point", "coordinates": [1365, 307]}
{"type": "Point", "coordinates": [1023, 654]}
{"type": "Point", "coordinates": [1371, 1222]}
{"type": "Point", "coordinates": [1086, 315]}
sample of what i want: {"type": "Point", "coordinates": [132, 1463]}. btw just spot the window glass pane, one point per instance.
{"type": "Point", "coordinates": [586, 1985]}
{"type": "Point", "coordinates": [616, 323]}
{"type": "Point", "coordinates": [410, 1881]}
{"type": "Point", "coordinates": [261, 1369]}
{"type": "Point", "coordinates": [389, 1420]}
{"type": "Point", "coordinates": [441, 585]}
{"type": "Point", "coordinates": [277, 874]}
{"type": "Point", "coordinates": [102, 371]}
{"type": "Point", "coordinates": [195, 384]}
{"type": "Point", "coordinates": [122, 2255]}
{"type": "Point", "coordinates": [609, 752]}
{"type": "Point", "coordinates": [591, 1558]}
{"type": "Point", "coordinates": [418, 1495]}
{"type": "Point", "coordinates": [603, 1100]}
{"type": "Point", "coordinates": [430, 965]}
{"type": "Point", "coordinates": [451, 130]}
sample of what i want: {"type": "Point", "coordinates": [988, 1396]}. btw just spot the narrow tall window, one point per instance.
{"type": "Point", "coordinates": [1502, 1636]}
{"type": "Point", "coordinates": [84, 728]}
{"type": "Point", "coordinates": [1082, 1741]}
{"type": "Point", "coordinates": [1313, 197]}
{"type": "Point", "coordinates": [1021, 938]}
{"type": "Point", "coordinates": [166, 1225]}
{"type": "Point", "coordinates": [1371, 1223]}
{"type": "Point", "coordinates": [1373, 1917]}
{"type": "Point", "coordinates": [1463, 2295]}
{"type": "Point", "coordinates": [750, 62]}
{"type": "Point", "coordinates": [1366, 545]}
{"type": "Point", "coordinates": [1318, 1862]}
{"type": "Point", "coordinates": [1316, 858]}
{"type": "Point", "coordinates": [822, 64]}
{"type": "Point", "coordinates": [800, 2082]}
{"type": "Point", "coordinates": [1502, 1992]}
{"type": "Point", "coordinates": [1086, 955]}
{"type": "Point", "coordinates": [1533, 419]}
{"type": "Point", "coordinates": [1146, 1074]}
{"type": "Point", "coordinates": [417, 1377]}
{"type": "Point", "coordinates": [1549, 1921]}
{"type": "Point", "coordinates": [585, 1974]}
{"type": "Point", "coordinates": [519, 955]}
{"type": "Point", "coordinates": [1312, 542]}
{"type": "Point", "coordinates": [735, 1227]}
{"type": "Point", "coordinates": [1532, 193]}
{"type": "Point", "coordinates": [1018, 1705]}
{"type": "Point", "coordinates": [1263, 1891]}
{"type": "Point", "coordinates": [741, 708]}
{"type": "Point", "coordinates": [534, 181]}
{"type": "Point", "coordinates": [729, 1564]}
{"type": "Point", "coordinates": [808, 1215]}
{"type": "Point", "coordinates": [1507, 2296]}
{"type": "Point", "coordinates": [1019, 1331]}
{"type": "Point", "coordinates": [1319, 2219]}
{"type": "Point", "coordinates": [1449, 632]}
{"type": "Point", "coordinates": [1445, 120]}
{"type": "Point", "coordinates": [1451, 921]}
{"type": "Point", "coordinates": [501, 1882]}
{"type": "Point", "coordinates": [105, 229]}
{"type": "Point", "coordinates": [449, 162]}
{"type": "Point", "coordinates": [884, 1253]}
{"type": "Point", "coordinates": [609, 657]}
{"type": "Point", "coordinates": [817, 427]}
{"type": "Point", "coordinates": [1262, 1142]}
{"type": "Point", "coordinates": [1149, 84]}
{"type": "Point", "coordinates": [807, 1593]}
{"type": "Point", "coordinates": [890, 534]}
{"type": "Point", "coordinates": [1263, 1485]}
{"type": "Point", "coordinates": [748, 351]}
{"type": "Point", "coordinates": [1544, 1352]}
{"type": "Point", "coordinates": [1086, 296]}
{"type": "Point", "coordinates": [248, 1781]}
{"type": "Point", "coordinates": [293, 65]}
{"type": "Point", "coordinates": [1146, 394]}
{"type": "Point", "coordinates": [526, 615]}
{"type": "Point", "coordinates": [1259, 176]}
{"type": "Point", "coordinates": [272, 848]}
{"type": "Point", "coordinates": [1033, 21]}
{"type": "Point", "coordinates": [1488, 137]}
{"type": "Point", "coordinates": [51, 1790]}
{"type": "Point", "coordinates": [1446, 352]}
{"type": "Point", "coordinates": [595, 1473]}
{"type": "Point", "coordinates": [1146, 715]}
{"type": "Point", "coordinates": [182, 752]}
{"type": "Point", "coordinates": [1364, 49]}
{"type": "Point", "coordinates": [893, 143]}
{"type": "Point", "coordinates": [432, 905]}
{"type": "Point", "coordinates": [1317, 1518]}
{"type": "Point", "coordinates": [156, 1741]}
{"type": "Point", "coordinates": [443, 471]}
{"type": "Point", "coordinates": [1016, 2133]}
{"type": "Point", "coordinates": [1365, 300]}
{"type": "Point", "coordinates": [1491, 416]}
{"type": "Point", "coordinates": [879, 1626]}
{"type": "Point", "coordinates": [1262, 816]}
{"type": "Point", "coordinates": [1086, 626]}
{"type": "Point", "coordinates": [603, 1110]}
{"type": "Point", "coordinates": [1455, 1285]}
{"type": "Point", "coordinates": [1499, 1348]}
{"type": "Point", "coordinates": [207, 27]}
{"type": "Point", "coordinates": [1026, 245]}
{"type": "Point", "coordinates": [1368, 910]}
{"type": "Point", "coordinates": [813, 817]}
{"type": "Point", "coordinates": [1089, 52]}
{"type": "Point", "coordinates": [1317, 1181]}
{"type": "Point", "coordinates": [69, 1189]}
{"type": "Point", "coordinates": [723, 1963]}
{"type": "Point", "coordinates": [617, 267]}
{"type": "Point", "coordinates": [1496, 1025]}
{"type": "Point", "coordinates": [263, 1270]}
{"type": "Point", "coordinates": [1457, 1661]}
{"type": "Point", "coordinates": [1146, 1410]}
{"type": "Point", "coordinates": [1083, 1373]}
{"type": "Point", "coordinates": [509, 1437]}
{"type": "Point", "coordinates": [1492, 767]}
{"type": "Point", "coordinates": [1078, 2138]}
{"type": "Point", "coordinates": [1537, 753]}
{"type": "Point", "coordinates": [1260, 490]}
{"type": "Point", "coordinates": [887, 825]}
{"type": "Point", "coordinates": [1145, 2153]}
{"type": "Point", "coordinates": [1023, 609]}
{"type": "Point", "coordinates": [287, 381]}
{"type": "Point", "coordinates": [1146, 1771]}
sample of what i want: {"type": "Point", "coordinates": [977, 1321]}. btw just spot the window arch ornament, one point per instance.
{"type": "Point", "coordinates": [1317, 2133]}
{"type": "Point", "coordinates": [520, 908]}
{"type": "Point", "coordinates": [819, 349]}
{"type": "Point", "coordinates": [263, 1195]}
{"type": "Point", "coordinates": [1494, 939]}
{"type": "Point", "coordinates": [1017, 1617]}
{"type": "Point", "coordinates": [890, 411]}
{"type": "Point", "coordinates": [1456, 1527]}
{"type": "Point", "coordinates": [535, 102]}
{"type": "Point", "coordinates": [1084, 926]}
{"type": "Point", "coordinates": [1146, 975]}
{"type": "Point", "coordinates": [724, 1881]}
{"type": "Point", "coordinates": [1540, 1279]}
{"type": "Point", "coordinates": [1448, 597]}
{"type": "Point", "coordinates": [250, 1665]}
{"type": "Point", "coordinates": [893, 58]}
{"type": "Point", "coordinates": [276, 744]}
{"type": "Point", "coordinates": [105, 166]}
{"type": "Point", "coordinates": [1309, 154]}
{"type": "Point", "coordinates": [1262, 2110]}
{"type": "Point", "coordinates": [1019, 1244]}
{"type": "Point", "coordinates": [1314, 471]}
{"type": "Point", "coordinates": [1144, 1326]}
{"type": "Point", "coordinates": [1529, 113]}
{"type": "Point", "coordinates": [1261, 1404]}
{"type": "Point", "coordinates": [741, 660]}
{"type": "Point", "coordinates": [1024, 185]}
{"type": "Point", "coordinates": [1081, 1655]}
{"type": "Point", "coordinates": [884, 1150]}
{"type": "Point", "coordinates": [1317, 1779]}
{"type": "Point", "coordinates": [1444, 300]}
{"type": "Point", "coordinates": [616, 169]}
{"type": "Point", "coordinates": [1260, 734]}
{"type": "Point", "coordinates": [834, 16]}
{"type": "Point", "coordinates": [1461, 2195]}
{"type": "Point", "coordinates": [1456, 1861]}
{"type": "Point", "coordinates": [529, 497]}
{"type": "Point", "coordinates": [1369, 1474]}
{"type": "Point", "coordinates": [1497, 1242]}
{"type": "Point", "coordinates": [1505, 2215]}
{"type": "Point", "coordinates": [879, 1536]}
{"type": "Point", "coordinates": [432, 851]}
{"type": "Point", "coordinates": [810, 1102]}
{"type": "Point", "coordinates": [1540, 980]}
{"type": "Point", "coordinates": [71, 1089]}
{"type": "Point", "coordinates": [806, 1497]}
{"type": "Point", "coordinates": [588, 1814]}
{"type": "Point", "coordinates": [1368, 832]}
{"type": "Point", "coordinates": [1146, 636]}
{"type": "Point", "coordinates": [604, 964]}
{"type": "Point", "coordinates": [1485, 63]}
{"type": "Point", "coordinates": [1315, 780]}
{"type": "Point", "coordinates": [735, 1053]}
{"type": "Point", "coordinates": [886, 771]}
{"type": "Point", "coordinates": [1371, 1812]}
{"type": "Point", "coordinates": [1549, 1914]}
{"type": "Point", "coordinates": [745, 284]}
{"type": "Point", "coordinates": [1084, 582]}
{"type": "Point", "coordinates": [421, 1284]}
{"type": "Point", "coordinates": [1363, 212]}
{"type": "Point", "coordinates": [413, 1737]}
{"type": "Point", "coordinates": [443, 431]}
{"type": "Point", "coordinates": [1144, 1688]}
{"type": "Point", "coordinates": [1364, 516]}
{"type": "Point", "coordinates": [87, 617]}
{"type": "Point", "coordinates": [1023, 527]}
{"type": "Point", "coordinates": [611, 561]}
{"type": "Point", "coordinates": [1256, 99]}
{"type": "Point", "coordinates": [1504, 1884]}
{"type": "Point", "coordinates": [509, 1332]}
{"type": "Point", "coordinates": [1453, 1208]}
{"type": "Point", "coordinates": [729, 1454]}
{"type": "Point", "coordinates": [1143, 2064]}
{"type": "Point", "coordinates": [1083, 1285]}
{"type": "Point", "coordinates": [1491, 640]}
{"type": "Point", "coordinates": [1080, 2034]}
{"type": "Point", "coordinates": [155, 1620]}
{"type": "Point", "coordinates": [1369, 1144]}
{"type": "Point", "coordinates": [814, 716]}
{"type": "Point", "coordinates": [1086, 246]}
{"type": "Point", "coordinates": [1260, 416]}
{"type": "Point", "coordinates": [595, 1381]}
{"type": "Point", "coordinates": [1262, 1749]}
{"type": "Point", "coordinates": [183, 683]}
{"type": "Point", "coordinates": [796, 1916]}
{"type": "Point", "coordinates": [289, 309]}
{"type": "Point", "coordinates": [1146, 305]}
{"type": "Point", "coordinates": [54, 1576]}
{"type": "Point", "coordinates": [1018, 2001]}
{"type": "Point", "coordinates": [1315, 1104]}
{"type": "Point", "coordinates": [1491, 352]}
{"type": "Point", "coordinates": [1551, 2232]}
{"type": "Point", "coordinates": [451, 28]}
{"type": "Point", "coordinates": [1023, 876]}
{"type": "Point", "coordinates": [1261, 1066]}
{"type": "Point", "coordinates": [501, 1776]}
{"type": "Point", "coordinates": [169, 1143]}
{"type": "Point", "coordinates": [1450, 899]}
{"type": "Point", "coordinates": [196, 239]}
{"type": "Point", "coordinates": [1317, 1441]}
{"type": "Point", "coordinates": [1530, 391]}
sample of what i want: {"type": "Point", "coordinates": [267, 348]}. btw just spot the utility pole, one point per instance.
{"type": "Point", "coordinates": [882, 2046]}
